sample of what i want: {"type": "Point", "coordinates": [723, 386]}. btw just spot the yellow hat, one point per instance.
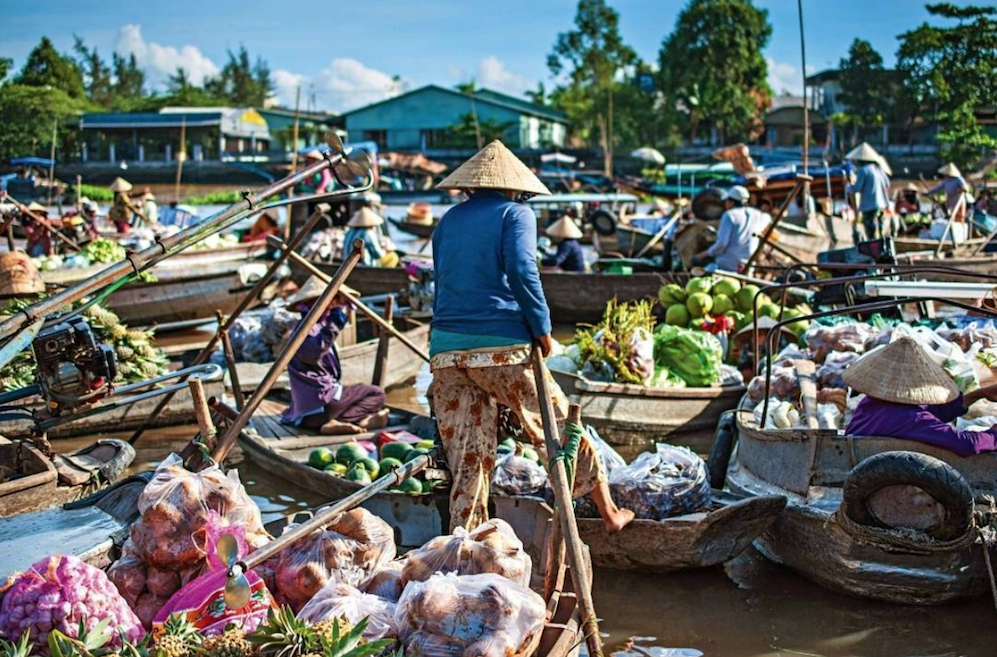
{"type": "Point", "coordinates": [564, 229]}
{"type": "Point", "coordinates": [951, 171]}
{"type": "Point", "coordinates": [313, 289]}
{"type": "Point", "coordinates": [120, 185]}
{"type": "Point", "coordinates": [901, 372]}
{"type": "Point", "coordinates": [420, 213]}
{"type": "Point", "coordinates": [365, 218]}
{"type": "Point", "coordinates": [494, 167]}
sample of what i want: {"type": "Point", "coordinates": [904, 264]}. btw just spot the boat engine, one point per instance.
{"type": "Point", "coordinates": [74, 370]}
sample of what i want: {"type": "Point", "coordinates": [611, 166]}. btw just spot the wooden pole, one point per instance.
{"type": "Point", "coordinates": [776, 219]}
{"type": "Point", "coordinates": [554, 574]}
{"type": "Point", "coordinates": [383, 343]}
{"type": "Point", "coordinates": [205, 426]}
{"type": "Point", "coordinates": [79, 193]}
{"type": "Point", "coordinates": [361, 306]}
{"type": "Point", "coordinates": [181, 156]}
{"type": "Point", "coordinates": [575, 549]}
{"type": "Point", "coordinates": [294, 159]}
{"type": "Point", "coordinates": [233, 371]}
{"type": "Point", "coordinates": [43, 223]}
{"type": "Point", "coordinates": [227, 441]}
{"type": "Point", "coordinates": [51, 166]}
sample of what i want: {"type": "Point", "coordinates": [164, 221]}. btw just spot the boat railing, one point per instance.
{"type": "Point", "coordinates": [885, 304]}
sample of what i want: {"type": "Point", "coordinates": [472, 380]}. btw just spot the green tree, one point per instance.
{"type": "Point", "coordinates": [712, 70]}
{"type": "Point", "coordinates": [240, 81]}
{"type": "Point", "coordinates": [27, 114]}
{"type": "Point", "coordinates": [592, 55]}
{"type": "Point", "coordinates": [538, 96]}
{"type": "Point", "coordinates": [465, 133]}
{"type": "Point", "coordinates": [46, 67]}
{"type": "Point", "coordinates": [865, 87]}
{"type": "Point", "coordinates": [5, 65]}
{"type": "Point", "coordinates": [129, 80]}
{"type": "Point", "coordinates": [96, 74]}
{"type": "Point", "coordinates": [947, 72]}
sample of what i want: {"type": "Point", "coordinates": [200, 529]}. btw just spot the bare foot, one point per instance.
{"type": "Point", "coordinates": [617, 520]}
{"type": "Point", "coordinates": [337, 428]}
{"type": "Point", "coordinates": [378, 420]}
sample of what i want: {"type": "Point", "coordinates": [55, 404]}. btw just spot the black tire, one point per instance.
{"type": "Point", "coordinates": [721, 449]}
{"type": "Point", "coordinates": [935, 477]}
{"type": "Point", "coordinates": [603, 222]}
{"type": "Point", "coordinates": [708, 204]}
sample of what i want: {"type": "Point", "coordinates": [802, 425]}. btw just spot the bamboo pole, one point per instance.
{"type": "Point", "coordinates": [181, 156]}
{"type": "Point", "coordinates": [227, 441]}
{"type": "Point", "coordinates": [383, 343]}
{"type": "Point", "coordinates": [575, 549]}
{"type": "Point", "coordinates": [51, 165]}
{"type": "Point", "coordinates": [294, 158]}
{"type": "Point", "coordinates": [554, 573]}
{"type": "Point", "coordinates": [205, 426]}
{"type": "Point", "coordinates": [229, 353]}
{"type": "Point", "coordinates": [246, 302]}
{"type": "Point", "coordinates": [800, 179]}
{"type": "Point", "coordinates": [361, 306]}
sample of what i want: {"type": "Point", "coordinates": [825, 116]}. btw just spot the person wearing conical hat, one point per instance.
{"type": "Point", "coordinates": [569, 256]}
{"type": "Point", "coordinates": [956, 189]}
{"type": "Point", "coordinates": [38, 239]}
{"type": "Point", "coordinates": [123, 209]}
{"type": "Point", "coordinates": [150, 210]}
{"type": "Point", "coordinates": [906, 202]}
{"type": "Point", "coordinates": [365, 225]}
{"type": "Point", "coordinates": [869, 192]}
{"type": "Point", "coordinates": [908, 395]}
{"type": "Point", "coordinates": [489, 310]}
{"type": "Point", "coordinates": [319, 400]}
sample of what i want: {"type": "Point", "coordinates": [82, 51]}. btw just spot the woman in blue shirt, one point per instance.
{"type": "Point", "coordinates": [488, 311]}
{"type": "Point", "coordinates": [363, 225]}
{"type": "Point", "coordinates": [569, 256]}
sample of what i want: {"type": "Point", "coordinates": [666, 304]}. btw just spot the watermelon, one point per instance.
{"type": "Point", "coordinates": [350, 452]}
{"type": "Point", "coordinates": [336, 469]}
{"type": "Point", "coordinates": [671, 294]}
{"type": "Point", "coordinates": [321, 457]}
{"type": "Point", "coordinates": [395, 450]}
{"type": "Point", "coordinates": [418, 451]}
{"type": "Point", "coordinates": [722, 304]}
{"type": "Point", "coordinates": [388, 464]}
{"type": "Point", "coordinates": [359, 475]}
{"type": "Point", "coordinates": [698, 286]}
{"type": "Point", "coordinates": [745, 298]}
{"type": "Point", "coordinates": [699, 303]}
{"type": "Point", "coordinates": [368, 464]}
{"type": "Point", "coordinates": [677, 315]}
{"type": "Point", "coordinates": [726, 286]}
{"type": "Point", "coordinates": [411, 486]}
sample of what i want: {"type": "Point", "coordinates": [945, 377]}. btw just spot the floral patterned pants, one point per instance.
{"type": "Point", "coordinates": [466, 400]}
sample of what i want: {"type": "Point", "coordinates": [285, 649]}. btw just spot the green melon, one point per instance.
{"type": "Point", "coordinates": [321, 457]}
{"type": "Point", "coordinates": [677, 315]}
{"type": "Point", "coordinates": [368, 464]}
{"type": "Point", "coordinates": [387, 465]}
{"type": "Point", "coordinates": [418, 451]}
{"type": "Point", "coordinates": [726, 286]}
{"type": "Point", "coordinates": [359, 475]}
{"type": "Point", "coordinates": [336, 469]}
{"type": "Point", "coordinates": [395, 450]}
{"type": "Point", "coordinates": [698, 286]}
{"type": "Point", "coordinates": [768, 309]}
{"type": "Point", "coordinates": [699, 303]}
{"type": "Point", "coordinates": [350, 452]}
{"type": "Point", "coordinates": [745, 298]}
{"type": "Point", "coordinates": [411, 486]}
{"type": "Point", "coordinates": [531, 454]}
{"type": "Point", "coordinates": [671, 294]}
{"type": "Point", "coordinates": [722, 304]}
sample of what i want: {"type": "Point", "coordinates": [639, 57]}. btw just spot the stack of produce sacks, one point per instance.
{"type": "Point", "coordinates": [667, 482]}
{"type": "Point", "coordinates": [256, 338]}
{"type": "Point", "coordinates": [340, 600]}
{"type": "Point", "coordinates": [492, 547]}
{"type": "Point", "coordinates": [348, 551]}
{"type": "Point", "coordinates": [56, 594]}
{"type": "Point", "coordinates": [165, 549]}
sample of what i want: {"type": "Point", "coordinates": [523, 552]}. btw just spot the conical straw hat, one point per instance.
{"type": "Point", "coordinates": [950, 170]}
{"type": "Point", "coordinates": [864, 153]}
{"type": "Point", "coordinates": [120, 185]}
{"type": "Point", "coordinates": [365, 218]}
{"type": "Point", "coordinates": [494, 167]}
{"type": "Point", "coordinates": [564, 229]}
{"type": "Point", "coordinates": [313, 289]}
{"type": "Point", "coordinates": [901, 372]}
{"type": "Point", "coordinates": [35, 206]}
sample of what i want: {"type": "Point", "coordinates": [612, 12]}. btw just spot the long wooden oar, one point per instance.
{"type": "Point", "coordinates": [566, 512]}
{"type": "Point", "coordinates": [237, 590]}
{"type": "Point", "coordinates": [362, 307]}
{"type": "Point", "coordinates": [41, 221]}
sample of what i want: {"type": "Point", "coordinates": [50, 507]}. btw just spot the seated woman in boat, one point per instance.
{"type": "Point", "coordinates": [489, 309]}
{"type": "Point", "coordinates": [365, 225]}
{"type": "Point", "coordinates": [319, 401]}
{"type": "Point", "coordinates": [910, 396]}
{"type": "Point", "coordinates": [122, 208]}
{"type": "Point", "coordinates": [37, 234]}
{"type": "Point", "coordinates": [569, 256]}
{"type": "Point", "coordinates": [737, 235]}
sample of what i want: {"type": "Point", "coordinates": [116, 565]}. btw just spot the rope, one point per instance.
{"type": "Point", "coordinates": [569, 450]}
{"type": "Point", "coordinates": [988, 542]}
{"type": "Point", "coordinates": [909, 541]}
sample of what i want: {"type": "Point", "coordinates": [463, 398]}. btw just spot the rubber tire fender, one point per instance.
{"type": "Point", "coordinates": [721, 449]}
{"type": "Point", "coordinates": [603, 221]}
{"type": "Point", "coordinates": [934, 476]}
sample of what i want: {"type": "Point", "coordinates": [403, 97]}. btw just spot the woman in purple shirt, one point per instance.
{"type": "Point", "coordinates": [319, 401]}
{"type": "Point", "coordinates": [910, 396]}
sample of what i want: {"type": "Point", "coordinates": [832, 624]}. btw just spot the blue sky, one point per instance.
{"type": "Point", "coordinates": [345, 54]}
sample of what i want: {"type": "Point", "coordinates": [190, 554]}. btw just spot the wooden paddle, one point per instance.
{"type": "Point", "coordinates": [362, 307]}
{"type": "Point", "coordinates": [43, 223]}
{"type": "Point", "coordinates": [566, 511]}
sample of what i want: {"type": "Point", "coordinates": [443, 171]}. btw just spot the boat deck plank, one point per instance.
{"type": "Point", "coordinates": [73, 531]}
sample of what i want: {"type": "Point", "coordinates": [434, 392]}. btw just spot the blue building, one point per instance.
{"type": "Point", "coordinates": [423, 120]}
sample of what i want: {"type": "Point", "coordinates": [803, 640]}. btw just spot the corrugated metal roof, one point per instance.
{"type": "Point", "coordinates": [481, 96]}
{"type": "Point", "coordinates": [150, 119]}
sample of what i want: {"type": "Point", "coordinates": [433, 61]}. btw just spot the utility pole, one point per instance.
{"type": "Point", "coordinates": [51, 166]}
{"type": "Point", "coordinates": [181, 156]}
{"type": "Point", "coordinates": [806, 114]}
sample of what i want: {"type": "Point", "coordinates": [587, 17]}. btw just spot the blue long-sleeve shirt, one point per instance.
{"type": "Point", "coordinates": [485, 270]}
{"type": "Point", "coordinates": [873, 188]}
{"type": "Point", "coordinates": [569, 257]}
{"type": "Point", "coordinates": [372, 253]}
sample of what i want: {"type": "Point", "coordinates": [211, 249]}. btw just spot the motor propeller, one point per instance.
{"type": "Point", "coordinates": [237, 588]}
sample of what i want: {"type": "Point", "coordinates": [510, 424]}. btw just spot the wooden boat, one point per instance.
{"type": "Point", "coordinates": [633, 415]}
{"type": "Point", "coordinates": [180, 410]}
{"type": "Point", "coordinates": [358, 359]}
{"type": "Point", "coordinates": [692, 541]}
{"type": "Point", "coordinates": [422, 231]}
{"type": "Point", "coordinates": [695, 540]}
{"type": "Point", "coordinates": [31, 480]}
{"type": "Point", "coordinates": [370, 281]}
{"type": "Point", "coordinates": [631, 240]}
{"type": "Point", "coordinates": [816, 537]}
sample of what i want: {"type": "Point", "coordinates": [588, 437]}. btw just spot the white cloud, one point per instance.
{"type": "Point", "coordinates": [785, 77]}
{"type": "Point", "coordinates": [342, 85]}
{"type": "Point", "coordinates": [159, 61]}
{"type": "Point", "coordinates": [492, 74]}
{"type": "Point", "coordinates": [286, 85]}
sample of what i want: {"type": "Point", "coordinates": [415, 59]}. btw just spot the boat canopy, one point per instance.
{"type": "Point", "coordinates": [29, 161]}
{"type": "Point", "coordinates": [584, 198]}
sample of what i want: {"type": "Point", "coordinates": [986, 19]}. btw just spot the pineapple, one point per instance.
{"type": "Point", "coordinates": [284, 635]}
{"type": "Point", "coordinates": [87, 643]}
{"type": "Point", "coordinates": [231, 643]}
{"type": "Point", "coordinates": [179, 638]}
{"type": "Point", "coordinates": [337, 643]}
{"type": "Point", "coordinates": [330, 630]}
{"type": "Point", "coordinates": [22, 648]}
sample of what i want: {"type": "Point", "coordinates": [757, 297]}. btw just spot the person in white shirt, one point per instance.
{"type": "Point", "coordinates": [737, 237]}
